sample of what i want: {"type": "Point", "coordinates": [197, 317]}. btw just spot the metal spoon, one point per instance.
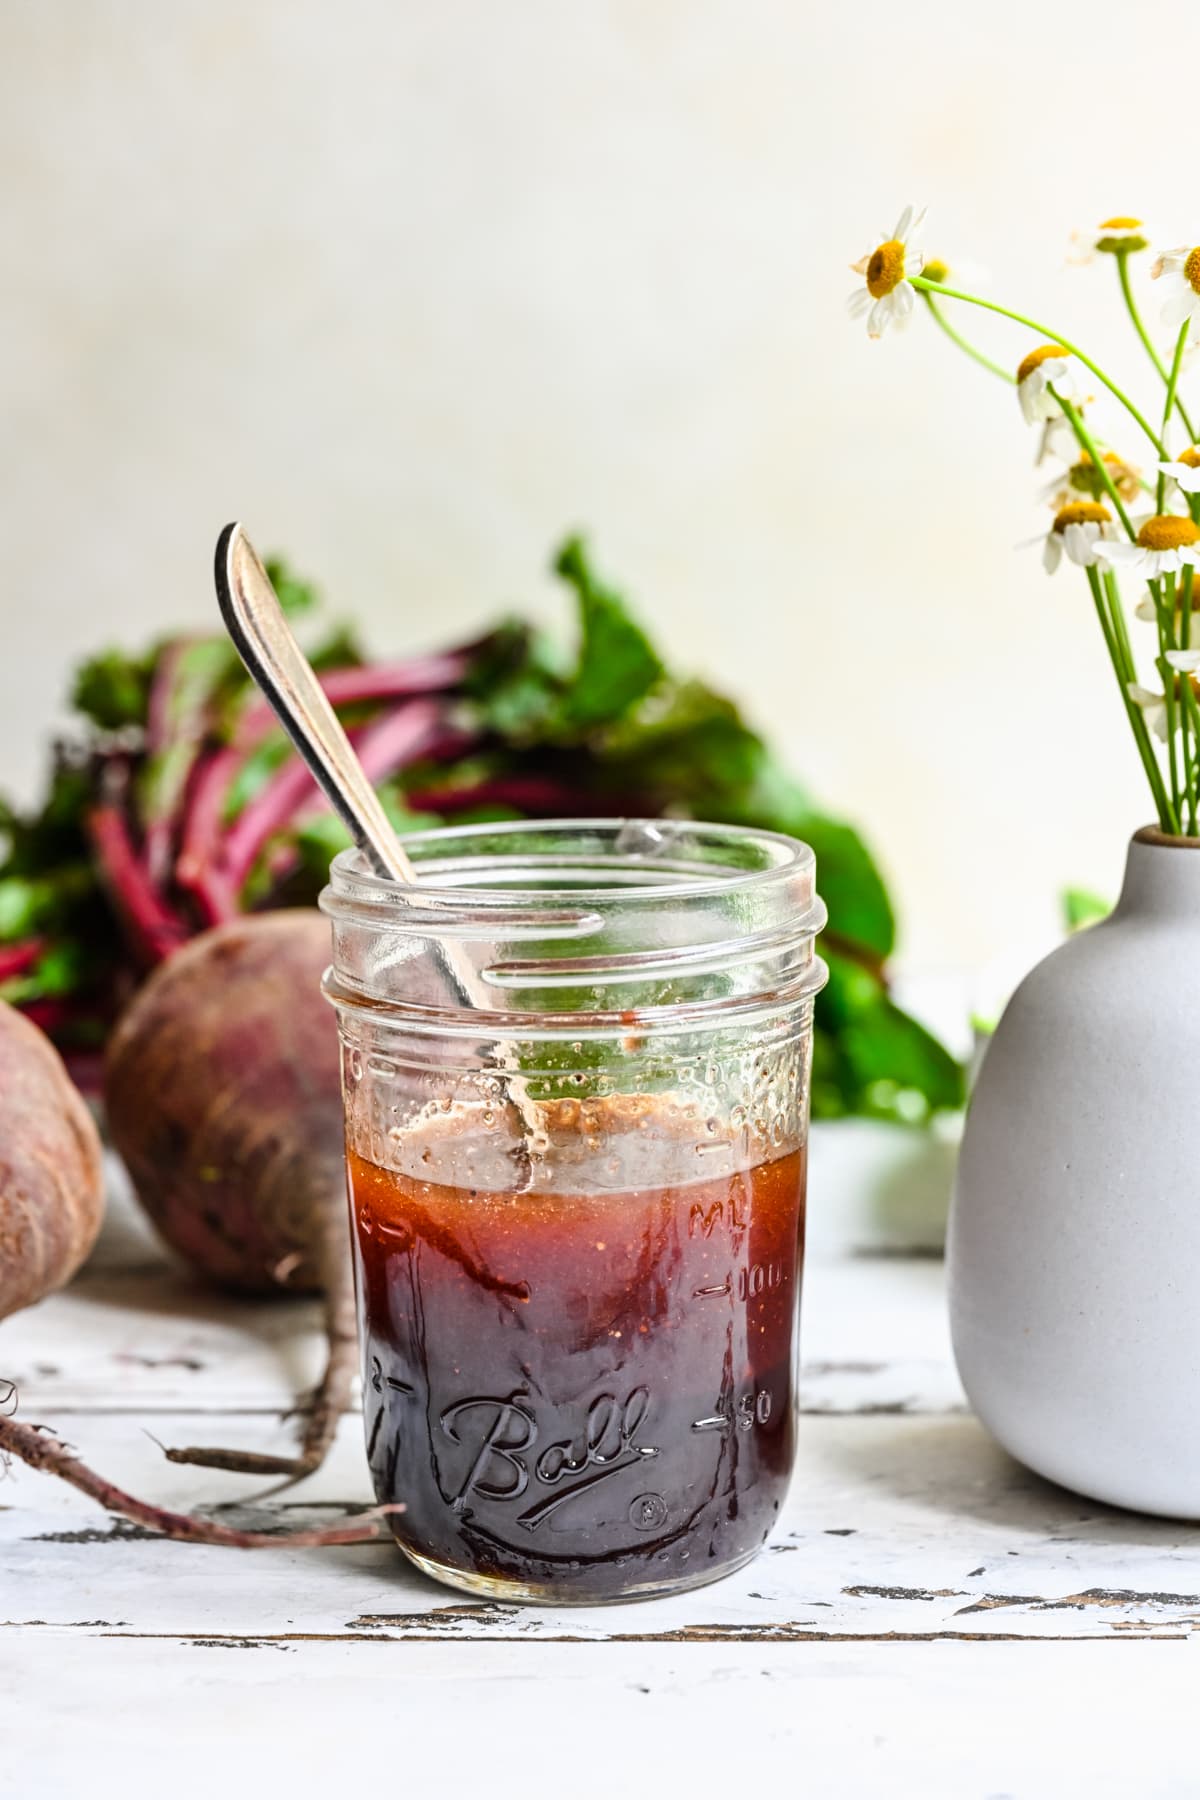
{"type": "Point", "coordinates": [263, 639]}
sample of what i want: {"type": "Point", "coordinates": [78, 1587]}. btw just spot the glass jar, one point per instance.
{"type": "Point", "coordinates": [577, 1194]}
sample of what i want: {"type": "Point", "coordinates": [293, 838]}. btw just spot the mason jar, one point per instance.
{"type": "Point", "coordinates": [576, 1069]}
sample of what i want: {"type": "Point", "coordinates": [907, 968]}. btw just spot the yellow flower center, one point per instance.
{"type": "Point", "coordinates": [1167, 531]}
{"type": "Point", "coordinates": [1121, 237]}
{"type": "Point", "coordinates": [1081, 512]}
{"type": "Point", "coordinates": [1191, 269]}
{"type": "Point", "coordinates": [1036, 358]}
{"type": "Point", "coordinates": [1086, 478]}
{"type": "Point", "coordinates": [1190, 457]}
{"type": "Point", "coordinates": [936, 270]}
{"type": "Point", "coordinates": [885, 270]}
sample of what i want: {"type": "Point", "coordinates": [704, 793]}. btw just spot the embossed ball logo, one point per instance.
{"type": "Point", "coordinates": [502, 1436]}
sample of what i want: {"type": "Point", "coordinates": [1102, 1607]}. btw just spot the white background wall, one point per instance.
{"type": "Point", "coordinates": [411, 288]}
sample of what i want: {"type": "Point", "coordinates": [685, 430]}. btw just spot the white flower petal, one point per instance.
{"type": "Point", "coordinates": [1052, 554]}
{"type": "Point", "coordinates": [903, 301]}
{"type": "Point", "coordinates": [1180, 307]}
{"type": "Point", "coordinates": [1120, 551]}
{"type": "Point", "coordinates": [1186, 661]}
{"type": "Point", "coordinates": [858, 303]}
{"type": "Point", "coordinates": [1169, 262]}
{"type": "Point", "coordinates": [914, 262]}
{"type": "Point", "coordinates": [1080, 542]}
{"type": "Point", "coordinates": [1146, 609]}
{"type": "Point", "coordinates": [902, 224]}
{"type": "Point", "coordinates": [1153, 706]}
{"type": "Point", "coordinates": [879, 315]}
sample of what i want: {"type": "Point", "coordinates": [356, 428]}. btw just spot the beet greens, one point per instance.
{"type": "Point", "coordinates": [178, 804]}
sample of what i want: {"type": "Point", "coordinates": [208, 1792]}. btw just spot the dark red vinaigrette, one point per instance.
{"type": "Point", "coordinates": [586, 1386]}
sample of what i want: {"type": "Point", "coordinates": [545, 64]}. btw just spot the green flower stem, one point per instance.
{"type": "Point", "coordinates": [1167, 816]}
{"type": "Point", "coordinates": [1120, 628]}
{"type": "Point", "coordinates": [956, 337]}
{"type": "Point", "coordinates": [1192, 713]}
{"type": "Point", "coordinates": [1181, 600]}
{"type": "Point", "coordinates": [923, 287]}
{"type": "Point", "coordinates": [1132, 308]}
{"type": "Point", "coordinates": [1167, 674]}
{"type": "Point", "coordinates": [1160, 495]}
{"type": "Point", "coordinates": [1185, 602]}
{"type": "Point", "coordinates": [1087, 444]}
{"type": "Point", "coordinates": [1173, 688]}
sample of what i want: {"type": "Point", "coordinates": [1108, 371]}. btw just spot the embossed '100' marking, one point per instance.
{"type": "Point", "coordinates": [761, 1278]}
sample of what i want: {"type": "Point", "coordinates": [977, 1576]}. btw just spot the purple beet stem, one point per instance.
{"type": "Point", "coordinates": [155, 929]}
{"type": "Point", "coordinates": [15, 959]}
{"type": "Point", "coordinates": [200, 864]}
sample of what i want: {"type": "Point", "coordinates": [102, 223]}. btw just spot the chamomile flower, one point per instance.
{"type": "Point", "coordinates": [1166, 543]}
{"type": "Point", "coordinates": [1119, 236]}
{"type": "Point", "coordinates": [889, 295]}
{"type": "Point", "coordinates": [1048, 364]}
{"type": "Point", "coordinates": [1154, 708]}
{"type": "Point", "coordinates": [1185, 470]}
{"type": "Point", "coordinates": [1077, 530]}
{"type": "Point", "coordinates": [1179, 271]}
{"type": "Point", "coordinates": [1084, 479]}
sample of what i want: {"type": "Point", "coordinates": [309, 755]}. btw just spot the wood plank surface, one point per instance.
{"type": "Point", "coordinates": [928, 1618]}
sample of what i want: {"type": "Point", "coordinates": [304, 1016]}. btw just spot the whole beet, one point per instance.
{"type": "Point", "coordinates": [51, 1172]}
{"type": "Point", "coordinates": [223, 1097]}
{"type": "Point", "coordinates": [222, 1094]}
{"type": "Point", "coordinates": [223, 1085]}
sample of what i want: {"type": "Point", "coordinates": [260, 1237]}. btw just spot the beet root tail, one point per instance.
{"type": "Point", "coordinates": [37, 1446]}
{"type": "Point", "coordinates": [330, 1399]}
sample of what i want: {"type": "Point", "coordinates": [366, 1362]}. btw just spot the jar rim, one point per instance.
{"type": "Point", "coordinates": [687, 922]}
{"type": "Point", "coordinates": [783, 859]}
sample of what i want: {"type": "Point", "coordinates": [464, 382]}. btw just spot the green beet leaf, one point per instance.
{"type": "Point", "coordinates": [617, 662]}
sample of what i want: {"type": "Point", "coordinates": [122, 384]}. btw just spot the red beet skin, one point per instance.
{"type": "Point", "coordinates": [222, 1094]}
{"type": "Point", "coordinates": [51, 1176]}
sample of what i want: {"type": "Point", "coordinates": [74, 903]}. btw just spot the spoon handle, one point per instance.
{"type": "Point", "coordinates": [263, 638]}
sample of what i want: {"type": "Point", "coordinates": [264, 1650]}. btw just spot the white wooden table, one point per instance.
{"type": "Point", "coordinates": [929, 1619]}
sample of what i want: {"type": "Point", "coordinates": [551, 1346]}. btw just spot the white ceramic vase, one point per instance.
{"type": "Point", "coordinates": [1074, 1241]}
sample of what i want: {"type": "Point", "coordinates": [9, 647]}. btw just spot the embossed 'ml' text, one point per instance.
{"type": "Point", "coordinates": [503, 1433]}
{"type": "Point", "coordinates": [731, 1210]}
